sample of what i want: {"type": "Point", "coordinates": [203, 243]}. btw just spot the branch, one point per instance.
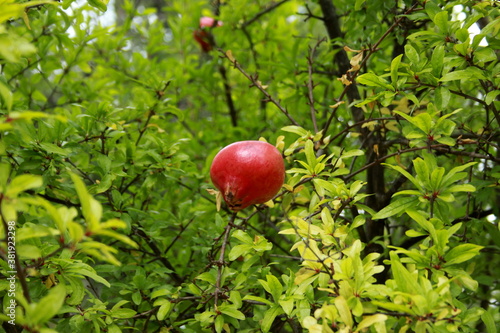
{"type": "Point", "coordinates": [229, 96]}
{"type": "Point", "coordinates": [258, 84]}
{"type": "Point", "coordinates": [220, 263]}
{"type": "Point", "coordinates": [262, 12]}
{"type": "Point", "coordinates": [310, 83]}
{"type": "Point", "coordinates": [158, 253]}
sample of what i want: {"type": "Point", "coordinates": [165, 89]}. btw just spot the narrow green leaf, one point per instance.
{"type": "Point", "coordinates": [344, 311]}
{"type": "Point", "coordinates": [412, 54]}
{"type": "Point", "coordinates": [239, 250]}
{"type": "Point", "coordinates": [462, 188]}
{"type": "Point", "coordinates": [397, 206]}
{"type": "Point", "coordinates": [48, 306]}
{"type": "Point", "coordinates": [490, 97]}
{"type": "Point", "coordinates": [269, 317]}
{"type": "Point", "coordinates": [441, 21]}
{"type": "Point", "coordinates": [369, 321]}
{"type": "Point", "coordinates": [102, 5]}
{"type": "Point", "coordinates": [6, 95]}
{"type": "Point", "coordinates": [449, 176]}
{"type": "Point", "coordinates": [91, 208]}
{"type": "Point", "coordinates": [295, 129]}
{"type": "Point", "coordinates": [406, 174]}
{"type": "Point", "coordinates": [446, 140]}
{"type": "Point", "coordinates": [489, 322]}
{"type": "Point", "coordinates": [258, 299]}
{"type": "Point", "coordinates": [436, 177]}
{"type": "Point", "coordinates": [463, 74]}
{"type": "Point", "coordinates": [287, 305]}
{"type": "Point", "coordinates": [372, 80]}
{"type": "Point", "coordinates": [461, 253]}
{"type": "Point", "coordinates": [406, 281]}
{"type": "Point", "coordinates": [310, 155]}
{"type": "Point", "coordinates": [394, 69]}
{"type": "Point", "coordinates": [275, 286]}
{"type": "Point", "coordinates": [423, 222]}
{"type": "Point", "coordinates": [437, 61]}
{"type": "Point", "coordinates": [442, 97]}
{"type": "Point", "coordinates": [231, 311]}
{"type": "Point", "coordinates": [422, 170]}
{"type": "Point", "coordinates": [22, 183]}
{"type": "Point", "coordinates": [4, 175]}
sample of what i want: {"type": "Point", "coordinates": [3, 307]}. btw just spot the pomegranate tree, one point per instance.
{"type": "Point", "coordinates": [248, 173]}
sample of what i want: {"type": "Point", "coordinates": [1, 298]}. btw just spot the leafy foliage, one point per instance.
{"type": "Point", "coordinates": [387, 115]}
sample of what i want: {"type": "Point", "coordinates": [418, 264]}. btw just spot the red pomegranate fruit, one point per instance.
{"type": "Point", "coordinates": [248, 173]}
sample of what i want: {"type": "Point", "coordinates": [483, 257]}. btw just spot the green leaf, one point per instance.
{"type": "Point", "coordinates": [239, 250]}
{"type": "Point", "coordinates": [423, 222]}
{"type": "Point", "coordinates": [441, 21]}
{"type": "Point", "coordinates": [287, 305]}
{"type": "Point", "coordinates": [273, 286]}
{"type": "Point", "coordinates": [397, 206]}
{"type": "Point", "coordinates": [22, 183]}
{"type": "Point", "coordinates": [369, 321]}
{"type": "Point", "coordinates": [6, 95]}
{"type": "Point", "coordinates": [102, 5]}
{"type": "Point", "coordinates": [296, 130]}
{"type": "Point", "coordinates": [446, 141]}
{"type": "Point", "coordinates": [490, 97]}
{"type": "Point", "coordinates": [406, 281]}
{"type": "Point", "coordinates": [91, 208]}
{"type": "Point", "coordinates": [258, 299]}
{"type": "Point", "coordinates": [449, 177]}
{"type": "Point", "coordinates": [54, 149]}
{"type": "Point", "coordinates": [463, 74]}
{"type": "Point", "coordinates": [372, 80]}
{"type": "Point", "coordinates": [77, 290]}
{"type": "Point", "coordinates": [422, 170]}
{"type": "Point", "coordinates": [461, 253]}
{"type": "Point", "coordinates": [344, 310]}
{"type": "Point", "coordinates": [242, 237]}
{"type": "Point", "coordinates": [358, 4]}
{"type": "Point", "coordinates": [489, 322]}
{"type": "Point", "coordinates": [461, 188]}
{"type": "Point", "coordinates": [436, 177]}
{"type": "Point", "coordinates": [310, 154]}
{"type": "Point", "coordinates": [406, 174]}
{"type": "Point", "coordinates": [231, 311]}
{"type": "Point", "coordinates": [442, 97]}
{"type": "Point", "coordinates": [394, 69]}
{"type": "Point", "coordinates": [269, 317]}
{"type": "Point", "coordinates": [123, 313]}
{"type": "Point", "coordinates": [437, 62]}
{"type": "Point", "coordinates": [48, 306]}
{"type": "Point", "coordinates": [412, 54]}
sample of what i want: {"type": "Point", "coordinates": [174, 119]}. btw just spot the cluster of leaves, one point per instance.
{"type": "Point", "coordinates": [387, 115]}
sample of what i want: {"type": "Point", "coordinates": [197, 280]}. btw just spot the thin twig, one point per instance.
{"type": "Point", "coordinates": [262, 12]}
{"type": "Point", "coordinates": [220, 262]}
{"type": "Point", "coordinates": [310, 83]}
{"type": "Point", "coordinates": [255, 82]}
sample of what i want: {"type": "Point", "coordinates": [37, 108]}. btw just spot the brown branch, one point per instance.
{"type": "Point", "coordinates": [159, 255]}
{"type": "Point", "coordinates": [220, 263]}
{"type": "Point", "coordinates": [255, 82]}
{"type": "Point", "coordinates": [310, 83]}
{"type": "Point", "coordinates": [229, 96]}
{"type": "Point", "coordinates": [271, 7]}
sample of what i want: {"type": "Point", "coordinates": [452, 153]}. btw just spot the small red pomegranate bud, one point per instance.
{"type": "Point", "coordinates": [248, 173]}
